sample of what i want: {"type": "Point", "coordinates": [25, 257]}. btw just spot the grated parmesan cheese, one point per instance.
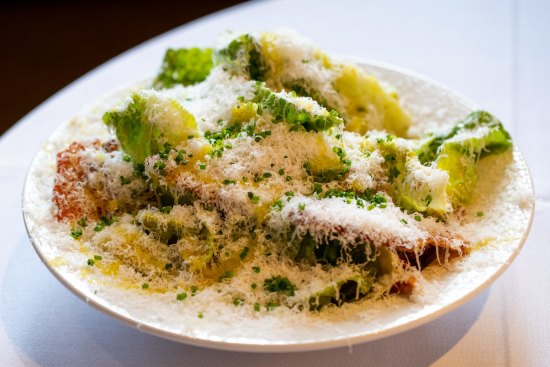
{"type": "Point", "coordinates": [219, 226]}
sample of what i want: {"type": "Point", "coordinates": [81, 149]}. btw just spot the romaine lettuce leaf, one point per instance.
{"type": "Point", "coordinates": [184, 66]}
{"type": "Point", "coordinates": [149, 122]}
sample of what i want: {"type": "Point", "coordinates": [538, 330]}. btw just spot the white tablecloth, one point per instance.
{"type": "Point", "coordinates": [495, 52]}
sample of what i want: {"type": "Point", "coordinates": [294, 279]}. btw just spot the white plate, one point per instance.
{"type": "Point", "coordinates": [507, 219]}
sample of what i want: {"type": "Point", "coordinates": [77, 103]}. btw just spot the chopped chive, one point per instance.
{"type": "Point", "coordinates": [243, 253]}
{"type": "Point", "coordinates": [279, 284]}
{"type": "Point", "coordinates": [256, 269]}
{"type": "Point", "coordinates": [159, 165]}
{"type": "Point", "coordinates": [91, 262]}
{"type": "Point", "coordinates": [181, 296]}
{"type": "Point", "coordinates": [278, 204]}
{"type": "Point", "coordinates": [255, 199]}
{"type": "Point", "coordinates": [317, 188]}
{"type": "Point", "coordinates": [226, 275]}
{"type": "Point", "coordinates": [82, 222]}
{"type": "Point", "coordinates": [180, 159]}
{"type": "Point", "coordinates": [76, 233]}
{"type": "Point", "coordinates": [145, 285]}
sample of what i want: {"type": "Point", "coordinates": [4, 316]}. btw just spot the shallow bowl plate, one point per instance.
{"type": "Point", "coordinates": [508, 203]}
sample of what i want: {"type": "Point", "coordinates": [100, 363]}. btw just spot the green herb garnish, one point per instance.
{"type": "Point", "coordinates": [279, 284]}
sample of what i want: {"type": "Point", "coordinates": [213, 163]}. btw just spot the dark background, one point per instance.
{"type": "Point", "coordinates": [45, 46]}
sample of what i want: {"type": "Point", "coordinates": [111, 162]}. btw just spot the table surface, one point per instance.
{"type": "Point", "coordinates": [494, 52]}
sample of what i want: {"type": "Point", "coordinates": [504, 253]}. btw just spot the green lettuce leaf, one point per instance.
{"type": "Point", "coordinates": [184, 66]}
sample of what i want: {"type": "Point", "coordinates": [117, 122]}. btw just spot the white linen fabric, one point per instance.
{"type": "Point", "coordinates": [492, 52]}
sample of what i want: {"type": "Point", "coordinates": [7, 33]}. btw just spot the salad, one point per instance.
{"type": "Point", "coordinates": [264, 174]}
